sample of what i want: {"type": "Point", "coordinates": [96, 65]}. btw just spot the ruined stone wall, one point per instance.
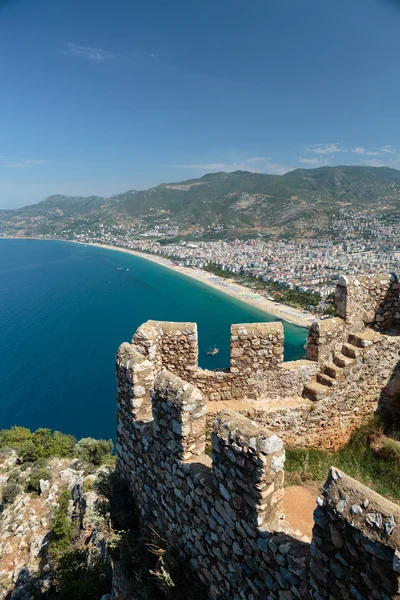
{"type": "Point", "coordinates": [325, 338]}
{"type": "Point", "coordinates": [256, 349]}
{"type": "Point", "coordinates": [214, 510]}
{"type": "Point", "coordinates": [270, 390]}
{"type": "Point", "coordinates": [224, 514]}
{"type": "Point", "coordinates": [368, 300]}
{"type": "Point", "coordinates": [355, 544]}
{"type": "Point", "coordinates": [173, 346]}
{"type": "Point", "coordinates": [367, 385]}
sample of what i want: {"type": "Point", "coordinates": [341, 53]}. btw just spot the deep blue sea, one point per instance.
{"type": "Point", "coordinates": [64, 310]}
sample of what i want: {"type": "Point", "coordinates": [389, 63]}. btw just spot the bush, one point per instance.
{"type": "Point", "coordinates": [38, 473]}
{"type": "Point", "coordinates": [82, 576]}
{"type": "Point", "coordinates": [10, 492]}
{"type": "Point", "coordinates": [97, 452]}
{"type": "Point", "coordinates": [14, 437]}
{"type": "Point", "coordinates": [40, 444]}
{"type": "Point", "coordinates": [62, 528]}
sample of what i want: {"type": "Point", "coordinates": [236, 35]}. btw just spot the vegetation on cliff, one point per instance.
{"type": "Point", "coordinates": [65, 518]}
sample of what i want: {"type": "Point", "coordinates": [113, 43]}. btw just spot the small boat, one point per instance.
{"type": "Point", "coordinates": [213, 351]}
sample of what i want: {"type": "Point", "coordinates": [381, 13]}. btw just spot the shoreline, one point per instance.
{"type": "Point", "coordinates": [228, 287]}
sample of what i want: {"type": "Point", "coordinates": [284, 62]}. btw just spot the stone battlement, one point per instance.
{"type": "Point", "coordinates": [350, 362]}
{"type": "Point", "coordinates": [225, 512]}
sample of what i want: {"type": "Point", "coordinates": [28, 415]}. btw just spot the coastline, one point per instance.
{"type": "Point", "coordinates": [231, 288]}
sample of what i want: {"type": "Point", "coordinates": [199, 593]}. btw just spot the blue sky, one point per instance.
{"type": "Point", "coordinates": [99, 97]}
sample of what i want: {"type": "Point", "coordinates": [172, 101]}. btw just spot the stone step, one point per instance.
{"type": "Point", "coordinates": [334, 372]}
{"type": "Point", "coordinates": [325, 379]}
{"type": "Point", "coordinates": [350, 351]}
{"type": "Point", "coordinates": [315, 391]}
{"type": "Point", "coordinates": [363, 339]}
{"type": "Point", "coordinates": [343, 361]}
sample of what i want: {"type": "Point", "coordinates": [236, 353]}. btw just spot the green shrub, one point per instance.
{"type": "Point", "coordinates": [82, 576]}
{"type": "Point", "coordinates": [14, 437]}
{"type": "Point", "coordinates": [62, 528]}
{"type": "Point", "coordinates": [97, 452]}
{"type": "Point", "coordinates": [38, 473]}
{"type": "Point", "coordinates": [42, 443]}
{"type": "Point", "coordinates": [10, 492]}
{"type": "Point", "coordinates": [14, 476]}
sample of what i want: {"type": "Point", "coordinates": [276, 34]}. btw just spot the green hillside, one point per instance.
{"type": "Point", "coordinates": [295, 203]}
{"type": "Point", "coordinates": [254, 199]}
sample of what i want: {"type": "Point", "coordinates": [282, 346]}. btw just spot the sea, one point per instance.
{"type": "Point", "coordinates": [64, 310]}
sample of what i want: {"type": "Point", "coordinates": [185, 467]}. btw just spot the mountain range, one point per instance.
{"type": "Point", "coordinates": [240, 199]}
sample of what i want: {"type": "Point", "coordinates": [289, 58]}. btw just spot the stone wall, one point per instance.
{"type": "Point", "coordinates": [344, 389]}
{"type": "Point", "coordinates": [356, 542]}
{"type": "Point", "coordinates": [224, 513]}
{"type": "Point", "coordinates": [368, 300]}
{"type": "Point", "coordinates": [173, 346]}
{"type": "Point", "coordinates": [256, 350]}
{"type": "Point", "coordinates": [370, 383]}
{"type": "Point", "coordinates": [215, 511]}
{"type": "Point", "coordinates": [325, 338]}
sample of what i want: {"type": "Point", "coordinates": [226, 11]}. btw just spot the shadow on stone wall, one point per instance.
{"type": "Point", "coordinates": [389, 402]}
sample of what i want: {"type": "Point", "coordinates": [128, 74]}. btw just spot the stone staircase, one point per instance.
{"type": "Point", "coordinates": [322, 384]}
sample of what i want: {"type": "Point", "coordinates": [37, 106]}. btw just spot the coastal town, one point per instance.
{"type": "Point", "coordinates": [310, 266]}
{"type": "Point", "coordinates": [298, 272]}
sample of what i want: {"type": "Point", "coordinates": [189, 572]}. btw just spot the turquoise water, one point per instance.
{"type": "Point", "coordinates": [65, 309]}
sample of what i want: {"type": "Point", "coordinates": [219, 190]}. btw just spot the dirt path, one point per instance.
{"type": "Point", "coordinates": [299, 504]}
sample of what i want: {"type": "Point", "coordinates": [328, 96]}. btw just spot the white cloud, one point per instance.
{"type": "Point", "coordinates": [87, 52]}
{"type": "Point", "coordinates": [373, 162]}
{"type": "Point", "coordinates": [20, 162]}
{"type": "Point", "coordinates": [388, 149]}
{"type": "Point", "coordinates": [255, 164]}
{"type": "Point", "coordinates": [317, 161]}
{"type": "Point", "coordinates": [325, 148]}
{"type": "Point", "coordinates": [365, 152]}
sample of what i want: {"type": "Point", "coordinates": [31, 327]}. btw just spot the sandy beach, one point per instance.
{"type": "Point", "coordinates": [227, 286]}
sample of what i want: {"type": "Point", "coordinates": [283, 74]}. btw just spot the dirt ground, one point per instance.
{"type": "Point", "coordinates": [299, 504]}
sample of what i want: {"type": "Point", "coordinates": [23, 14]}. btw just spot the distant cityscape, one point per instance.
{"type": "Point", "coordinates": [348, 241]}
{"type": "Point", "coordinates": [364, 244]}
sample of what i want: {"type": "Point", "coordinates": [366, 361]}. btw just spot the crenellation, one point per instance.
{"type": "Point", "coordinates": [179, 415]}
{"type": "Point", "coordinates": [369, 301]}
{"type": "Point", "coordinates": [325, 338]}
{"type": "Point", "coordinates": [173, 346]}
{"type": "Point", "coordinates": [225, 513]}
{"type": "Point", "coordinates": [248, 464]}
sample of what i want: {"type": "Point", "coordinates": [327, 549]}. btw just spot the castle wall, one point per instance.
{"type": "Point", "coordinates": [215, 511]}
{"type": "Point", "coordinates": [224, 513]}
{"type": "Point", "coordinates": [256, 349]}
{"type": "Point", "coordinates": [369, 300]}
{"type": "Point", "coordinates": [367, 385]}
{"type": "Point", "coordinates": [173, 346]}
{"type": "Point", "coordinates": [356, 542]}
{"type": "Point", "coordinates": [257, 373]}
{"type": "Point", "coordinates": [325, 338]}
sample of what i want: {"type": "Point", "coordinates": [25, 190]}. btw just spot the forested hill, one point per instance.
{"type": "Point", "coordinates": [296, 201]}
{"type": "Point", "coordinates": [270, 200]}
